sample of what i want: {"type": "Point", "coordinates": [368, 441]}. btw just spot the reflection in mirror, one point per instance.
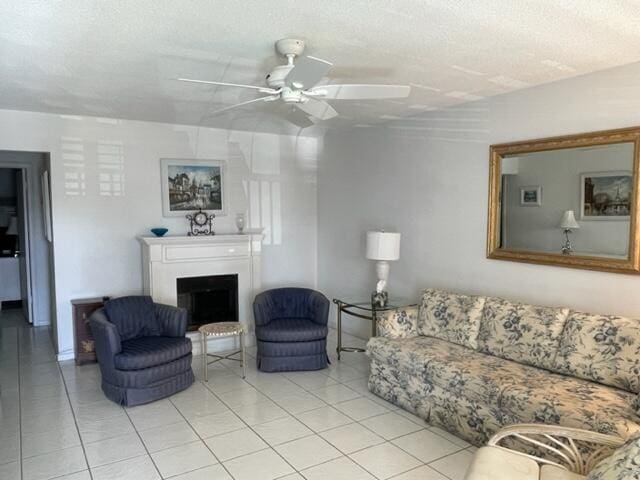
{"type": "Point", "coordinates": [572, 201]}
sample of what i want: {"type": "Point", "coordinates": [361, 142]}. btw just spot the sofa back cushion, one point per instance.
{"type": "Point", "coordinates": [450, 316]}
{"type": "Point", "coordinates": [133, 316]}
{"type": "Point", "coordinates": [520, 332]}
{"type": "Point", "coordinates": [605, 349]}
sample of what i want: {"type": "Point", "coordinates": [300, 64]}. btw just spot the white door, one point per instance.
{"type": "Point", "coordinates": [22, 183]}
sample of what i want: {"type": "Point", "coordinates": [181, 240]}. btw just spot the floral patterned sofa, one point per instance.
{"type": "Point", "coordinates": [473, 364]}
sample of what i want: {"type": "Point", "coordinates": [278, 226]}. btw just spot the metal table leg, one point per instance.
{"type": "Point", "coordinates": [205, 356]}
{"type": "Point", "coordinates": [339, 349]}
{"type": "Point", "coordinates": [244, 363]}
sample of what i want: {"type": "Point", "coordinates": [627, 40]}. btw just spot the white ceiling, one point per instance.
{"type": "Point", "coordinates": [121, 58]}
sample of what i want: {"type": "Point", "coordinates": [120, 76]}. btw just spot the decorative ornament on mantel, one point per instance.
{"type": "Point", "coordinates": [200, 223]}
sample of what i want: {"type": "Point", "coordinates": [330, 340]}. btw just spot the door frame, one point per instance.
{"type": "Point", "coordinates": [27, 173]}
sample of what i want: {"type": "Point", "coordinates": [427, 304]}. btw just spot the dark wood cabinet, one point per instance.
{"type": "Point", "coordinates": [83, 340]}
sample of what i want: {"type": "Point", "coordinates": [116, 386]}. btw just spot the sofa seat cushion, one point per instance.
{"type": "Point", "coordinates": [145, 352]}
{"type": "Point", "coordinates": [520, 332]}
{"type": "Point", "coordinates": [492, 463]}
{"type": "Point", "coordinates": [512, 390]}
{"type": "Point", "coordinates": [455, 368]}
{"type": "Point", "coordinates": [605, 349]}
{"type": "Point", "coordinates": [450, 316]}
{"type": "Point", "coordinates": [544, 397]}
{"type": "Point", "coordinates": [291, 330]}
{"type": "Point", "coordinates": [551, 472]}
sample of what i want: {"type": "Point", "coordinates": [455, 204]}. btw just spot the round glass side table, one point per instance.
{"type": "Point", "coordinates": [222, 329]}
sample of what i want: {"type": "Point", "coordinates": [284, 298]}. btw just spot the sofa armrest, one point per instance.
{"type": "Point", "coordinates": [173, 320]}
{"type": "Point", "coordinates": [398, 323]}
{"type": "Point", "coordinates": [320, 308]}
{"type": "Point", "coordinates": [106, 337]}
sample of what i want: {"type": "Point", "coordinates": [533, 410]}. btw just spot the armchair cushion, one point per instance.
{"type": "Point", "coordinates": [134, 316]}
{"type": "Point", "coordinates": [291, 330]}
{"type": "Point", "coordinates": [145, 352]}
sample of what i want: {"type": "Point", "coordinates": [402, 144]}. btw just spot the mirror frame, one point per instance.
{"type": "Point", "coordinates": [605, 137]}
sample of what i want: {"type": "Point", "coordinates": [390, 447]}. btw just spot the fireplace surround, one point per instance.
{"type": "Point", "coordinates": [165, 260]}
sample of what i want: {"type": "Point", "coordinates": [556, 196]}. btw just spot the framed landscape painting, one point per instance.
{"type": "Point", "coordinates": [606, 195]}
{"type": "Point", "coordinates": [188, 185]}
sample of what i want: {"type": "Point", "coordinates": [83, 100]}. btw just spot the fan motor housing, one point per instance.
{"type": "Point", "coordinates": [275, 79]}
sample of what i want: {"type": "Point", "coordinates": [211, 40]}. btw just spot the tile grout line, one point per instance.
{"type": "Point", "coordinates": [390, 441]}
{"type": "Point", "coordinates": [135, 429]}
{"type": "Point", "coordinates": [201, 439]}
{"type": "Point", "coordinates": [19, 400]}
{"type": "Point", "coordinates": [256, 433]}
{"type": "Point", "coordinates": [75, 420]}
{"type": "Point", "coordinates": [353, 421]}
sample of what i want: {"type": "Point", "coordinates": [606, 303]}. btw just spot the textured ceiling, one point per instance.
{"type": "Point", "coordinates": [121, 58]}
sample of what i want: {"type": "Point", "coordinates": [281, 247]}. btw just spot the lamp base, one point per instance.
{"type": "Point", "coordinates": [567, 248]}
{"type": "Point", "coordinates": [379, 299]}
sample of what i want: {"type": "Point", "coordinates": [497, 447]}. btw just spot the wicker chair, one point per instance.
{"type": "Point", "coordinates": [532, 452]}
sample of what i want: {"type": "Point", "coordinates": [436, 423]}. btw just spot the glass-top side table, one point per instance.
{"type": "Point", "coordinates": [367, 311]}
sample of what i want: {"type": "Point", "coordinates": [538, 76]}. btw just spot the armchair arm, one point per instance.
{"type": "Point", "coordinates": [398, 323]}
{"type": "Point", "coordinates": [172, 320]}
{"type": "Point", "coordinates": [574, 449]}
{"type": "Point", "coordinates": [106, 337]}
{"type": "Point", "coordinates": [319, 308]}
{"type": "Point", "coordinates": [262, 309]}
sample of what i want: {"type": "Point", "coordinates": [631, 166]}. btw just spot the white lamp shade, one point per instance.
{"type": "Point", "coordinates": [383, 246]}
{"type": "Point", "coordinates": [13, 226]}
{"type": "Point", "coordinates": [568, 221]}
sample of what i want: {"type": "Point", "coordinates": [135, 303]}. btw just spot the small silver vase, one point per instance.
{"type": "Point", "coordinates": [240, 223]}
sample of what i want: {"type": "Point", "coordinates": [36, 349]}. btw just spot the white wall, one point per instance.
{"type": "Point", "coordinates": [428, 178]}
{"type": "Point", "coordinates": [271, 177]}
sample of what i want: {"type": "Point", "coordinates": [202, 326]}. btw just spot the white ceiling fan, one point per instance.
{"type": "Point", "coordinates": [295, 84]}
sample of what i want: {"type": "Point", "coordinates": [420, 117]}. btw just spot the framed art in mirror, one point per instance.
{"type": "Point", "coordinates": [586, 178]}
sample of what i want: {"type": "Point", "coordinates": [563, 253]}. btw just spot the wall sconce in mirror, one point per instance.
{"type": "Point", "coordinates": [594, 174]}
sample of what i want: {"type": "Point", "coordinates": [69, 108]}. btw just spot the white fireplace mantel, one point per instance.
{"type": "Point", "coordinates": [165, 259]}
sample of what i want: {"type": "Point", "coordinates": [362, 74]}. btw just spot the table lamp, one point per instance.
{"type": "Point", "coordinates": [382, 247]}
{"type": "Point", "coordinates": [568, 223]}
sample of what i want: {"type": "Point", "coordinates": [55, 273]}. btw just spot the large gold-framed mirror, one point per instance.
{"type": "Point", "coordinates": [570, 201]}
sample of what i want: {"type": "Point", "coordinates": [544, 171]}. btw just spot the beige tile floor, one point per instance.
{"type": "Point", "coordinates": [55, 423]}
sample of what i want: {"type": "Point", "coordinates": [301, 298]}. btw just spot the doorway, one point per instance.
{"type": "Point", "coordinates": [25, 242]}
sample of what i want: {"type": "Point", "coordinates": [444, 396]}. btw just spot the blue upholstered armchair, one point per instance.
{"type": "Point", "coordinates": [291, 329]}
{"type": "Point", "coordinates": [142, 349]}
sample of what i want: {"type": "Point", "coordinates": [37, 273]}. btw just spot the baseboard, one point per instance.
{"type": "Point", "coordinates": [63, 357]}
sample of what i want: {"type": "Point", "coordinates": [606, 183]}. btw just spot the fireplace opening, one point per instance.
{"type": "Point", "coordinates": [208, 299]}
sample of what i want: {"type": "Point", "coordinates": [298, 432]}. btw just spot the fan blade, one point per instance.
{"type": "Point", "coordinates": [248, 102]}
{"type": "Point", "coordinates": [238, 85]}
{"type": "Point", "coordinates": [306, 72]}
{"type": "Point", "coordinates": [317, 108]}
{"type": "Point", "coordinates": [361, 92]}
{"type": "Point", "coordinates": [299, 118]}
